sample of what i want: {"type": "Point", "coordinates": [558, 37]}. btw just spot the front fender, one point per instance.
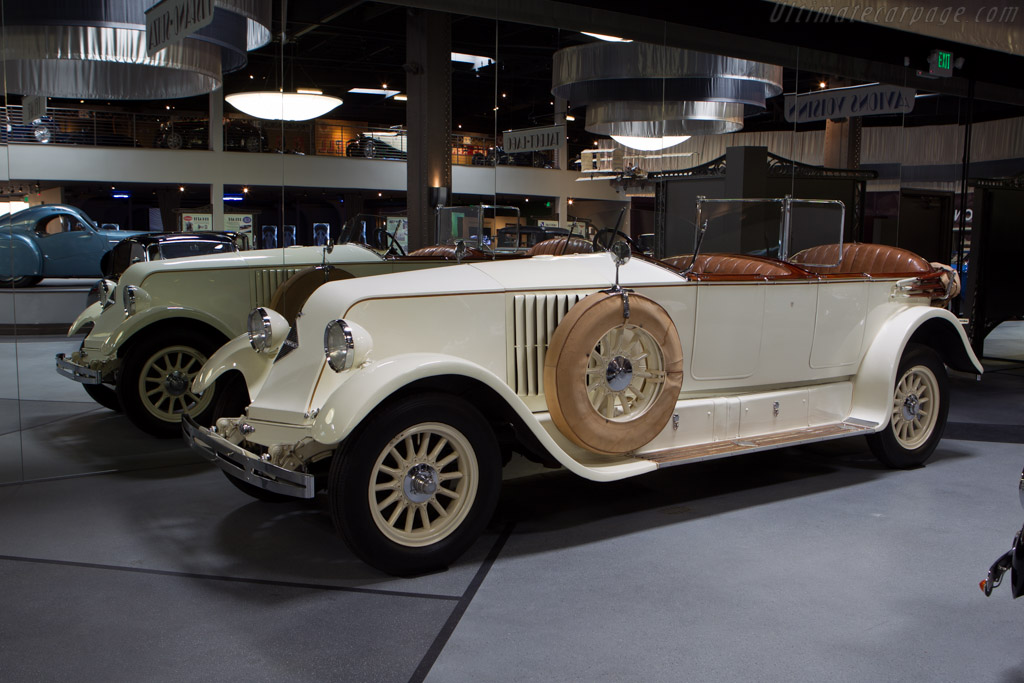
{"type": "Point", "coordinates": [237, 354]}
{"type": "Point", "coordinates": [143, 319]}
{"type": "Point", "coordinates": [20, 256]}
{"type": "Point", "coordinates": [351, 402]}
{"type": "Point", "coordinates": [876, 377]}
{"type": "Point", "coordinates": [90, 315]}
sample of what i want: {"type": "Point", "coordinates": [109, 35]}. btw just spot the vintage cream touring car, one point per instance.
{"type": "Point", "coordinates": [401, 395]}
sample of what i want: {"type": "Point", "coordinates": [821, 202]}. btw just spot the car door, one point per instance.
{"type": "Point", "coordinates": [70, 247]}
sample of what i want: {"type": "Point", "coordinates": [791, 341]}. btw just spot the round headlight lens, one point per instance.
{"type": "Point", "coordinates": [260, 333]}
{"type": "Point", "coordinates": [339, 346]}
{"type": "Point", "coordinates": [106, 295]}
{"type": "Point", "coordinates": [128, 299]}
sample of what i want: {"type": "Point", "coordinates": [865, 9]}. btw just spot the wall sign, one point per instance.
{"type": "Point", "coordinates": [840, 103]}
{"type": "Point", "coordinates": [196, 222]}
{"type": "Point", "coordinates": [170, 21]}
{"type": "Point", "coordinates": [534, 139]}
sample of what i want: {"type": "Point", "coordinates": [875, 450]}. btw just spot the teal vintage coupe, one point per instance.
{"type": "Point", "coordinates": [52, 240]}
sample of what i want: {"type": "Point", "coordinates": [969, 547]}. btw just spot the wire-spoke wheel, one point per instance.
{"type": "Point", "coordinates": [416, 485]}
{"type": "Point", "coordinates": [155, 385]}
{"type": "Point", "coordinates": [920, 404]}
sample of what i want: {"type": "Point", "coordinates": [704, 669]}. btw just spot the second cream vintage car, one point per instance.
{"type": "Point", "coordinates": [153, 329]}
{"type": "Point", "coordinates": [402, 395]}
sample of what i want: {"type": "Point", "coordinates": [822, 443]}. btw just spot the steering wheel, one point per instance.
{"type": "Point", "coordinates": [385, 239]}
{"type": "Point", "coordinates": [603, 240]}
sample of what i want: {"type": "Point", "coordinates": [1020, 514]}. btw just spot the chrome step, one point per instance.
{"type": "Point", "coordinates": [721, 449]}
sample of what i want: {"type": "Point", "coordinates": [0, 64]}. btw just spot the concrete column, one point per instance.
{"type": "Point", "coordinates": [563, 150]}
{"type": "Point", "coordinates": [563, 212]}
{"type": "Point", "coordinates": [217, 120]}
{"type": "Point", "coordinates": [217, 145]}
{"type": "Point", "coordinates": [842, 143]}
{"type": "Point", "coordinates": [428, 120]}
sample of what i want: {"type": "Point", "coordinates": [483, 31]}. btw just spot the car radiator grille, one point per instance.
{"type": "Point", "coordinates": [265, 282]}
{"type": "Point", "coordinates": [536, 316]}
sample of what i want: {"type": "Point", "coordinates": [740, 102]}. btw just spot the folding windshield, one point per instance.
{"type": "Point", "coordinates": [482, 226]}
{"type": "Point", "coordinates": [772, 228]}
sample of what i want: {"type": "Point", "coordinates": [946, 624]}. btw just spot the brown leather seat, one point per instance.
{"type": "Point", "coordinates": [289, 298]}
{"type": "Point", "coordinates": [447, 252]}
{"type": "Point", "coordinates": [858, 257]}
{"type": "Point", "coordinates": [562, 245]}
{"type": "Point", "coordinates": [729, 264]}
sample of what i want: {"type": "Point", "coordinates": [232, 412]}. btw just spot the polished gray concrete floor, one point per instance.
{"type": "Point", "coordinates": [127, 558]}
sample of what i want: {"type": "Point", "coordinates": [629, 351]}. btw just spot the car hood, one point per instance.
{"type": "Point", "coordinates": [265, 258]}
{"type": "Point", "coordinates": [577, 271]}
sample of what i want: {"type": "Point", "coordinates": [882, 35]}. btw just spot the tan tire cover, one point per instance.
{"type": "Point", "coordinates": [565, 372]}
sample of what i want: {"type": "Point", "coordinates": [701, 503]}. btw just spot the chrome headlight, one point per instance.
{"type": "Point", "coordinates": [106, 293]}
{"type": "Point", "coordinates": [339, 345]}
{"type": "Point", "coordinates": [133, 298]}
{"type": "Point", "coordinates": [261, 329]}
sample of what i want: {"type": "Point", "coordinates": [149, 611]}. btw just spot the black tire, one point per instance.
{"type": "Point", "coordinates": [155, 356]}
{"type": "Point", "coordinates": [252, 144]}
{"type": "Point", "coordinates": [20, 282]}
{"type": "Point", "coordinates": [174, 141]}
{"type": "Point", "coordinates": [369, 146]}
{"type": "Point", "coordinates": [916, 423]}
{"type": "Point", "coordinates": [105, 395]}
{"type": "Point", "coordinates": [400, 546]}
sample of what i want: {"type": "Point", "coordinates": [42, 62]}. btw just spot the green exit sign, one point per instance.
{"type": "Point", "coordinates": [940, 63]}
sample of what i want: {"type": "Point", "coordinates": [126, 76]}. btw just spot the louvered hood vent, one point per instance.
{"type": "Point", "coordinates": [536, 316]}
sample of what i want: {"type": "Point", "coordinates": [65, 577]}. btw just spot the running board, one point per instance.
{"type": "Point", "coordinates": [721, 449]}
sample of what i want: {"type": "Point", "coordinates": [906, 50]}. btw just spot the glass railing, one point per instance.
{"type": "Point", "coordinates": [322, 137]}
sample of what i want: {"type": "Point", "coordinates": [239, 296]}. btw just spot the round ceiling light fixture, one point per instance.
{"type": "Point", "coordinates": [301, 105]}
{"type": "Point", "coordinates": [650, 144]}
{"type": "Point", "coordinates": [655, 91]}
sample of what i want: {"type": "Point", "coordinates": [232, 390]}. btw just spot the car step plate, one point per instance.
{"type": "Point", "coordinates": [721, 449]}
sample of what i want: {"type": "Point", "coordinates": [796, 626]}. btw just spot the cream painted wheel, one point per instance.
{"type": "Point", "coordinates": [913, 418]}
{"type": "Point", "coordinates": [611, 383]}
{"type": "Point", "coordinates": [416, 483]}
{"type": "Point", "coordinates": [154, 384]}
{"type": "Point", "coordinates": [423, 484]}
{"type": "Point", "coordinates": [165, 382]}
{"type": "Point", "coordinates": [625, 373]}
{"type": "Point", "coordinates": [920, 404]}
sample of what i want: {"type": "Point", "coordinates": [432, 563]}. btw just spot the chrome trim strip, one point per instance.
{"type": "Point", "coordinates": [79, 373]}
{"type": "Point", "coordinates": [245, 465]}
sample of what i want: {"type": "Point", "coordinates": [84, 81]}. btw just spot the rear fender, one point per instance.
{"type": "Point", "coordinates": [20, 256]}
{"type": "Point", "coordinates": [936, 328]}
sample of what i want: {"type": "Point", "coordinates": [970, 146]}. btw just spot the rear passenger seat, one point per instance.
{"type": "Point", "coordinates": [729, 264]}
{"type": "Point", "coordinates": [870, 259]}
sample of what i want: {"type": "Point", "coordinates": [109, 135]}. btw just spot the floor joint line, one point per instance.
{"type": "Point", "coordinates": [233, 579]}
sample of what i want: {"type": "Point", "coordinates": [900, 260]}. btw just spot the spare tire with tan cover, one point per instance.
{"type": "Point", "coordinates": [611, 382]}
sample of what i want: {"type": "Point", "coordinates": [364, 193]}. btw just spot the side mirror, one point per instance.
{"type": "Point", "coordinates": [460, 251]}
{"type": "Point", "coordinates": [329, 246]}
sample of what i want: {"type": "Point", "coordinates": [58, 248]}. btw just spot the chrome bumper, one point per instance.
{"type": "Point", "coordinates": [245, 465]}
{"type": "Point", "coordinates": [79, 373]}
